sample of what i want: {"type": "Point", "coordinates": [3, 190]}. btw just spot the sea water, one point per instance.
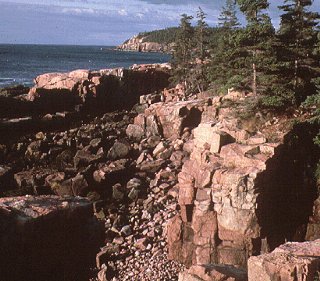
{"type": "Point", "coordinates": [20, 64]}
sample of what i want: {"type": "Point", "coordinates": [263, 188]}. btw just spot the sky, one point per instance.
{"type": "Point", "coordinates": [100, 22]}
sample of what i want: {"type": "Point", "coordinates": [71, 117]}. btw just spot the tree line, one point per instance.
{"type": "Point", "coordinates": [279, 67]}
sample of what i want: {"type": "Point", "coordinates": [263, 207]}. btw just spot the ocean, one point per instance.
{"type": "Point", "coordinates": [20, 64]}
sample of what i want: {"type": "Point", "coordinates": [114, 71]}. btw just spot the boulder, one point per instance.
{"type": "Point", "coordinates": [169, 119]}
{"type": "Point", "coordinates": [120, 149]}
{"type": "Point", "coordinates": [135, 132]}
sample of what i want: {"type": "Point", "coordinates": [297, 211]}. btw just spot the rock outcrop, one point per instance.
{"type": "Point", "coordinates": [104, 89]}
{"type": "Point", "coordinates": [139, 44]}
{"type": "Point", "coordinates": [232, 191]}
{"type": "Point", "coordinates": [213, 272]}
{"type": "Point", "coordinates": [47, 238]}
{"type": "Point", "coordinates": [291, 261]}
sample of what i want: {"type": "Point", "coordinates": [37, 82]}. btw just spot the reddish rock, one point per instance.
{"type": "Point", "coordinates": [169, 119]}
{"type": "Point", "coordinates": [110, 174]}
{"type": "Point", "coordinates": [208, 134]}
{"type": "Point", "coordinates": [135, 132]}
{"type": "Point", "coordinates": [213, 272]}
{"type": "Point", "coordinates": [291, 261]}
{"type": "Point", "coordinates": [238, 155]}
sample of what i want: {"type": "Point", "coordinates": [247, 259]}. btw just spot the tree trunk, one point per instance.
{"type": "Point", "coordinates": [295, 74]}
{"type": "Point", "coordinates": [254, 82]}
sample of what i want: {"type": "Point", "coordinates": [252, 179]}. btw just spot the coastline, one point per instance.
{"type": "Point", "coordinates": [22, 63]}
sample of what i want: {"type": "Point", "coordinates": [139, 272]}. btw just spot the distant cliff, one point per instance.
{"type": "Point", "coordinates": [154, 41]}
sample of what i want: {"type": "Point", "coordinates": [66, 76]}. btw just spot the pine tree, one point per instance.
{"type": "Point", "coordinates": [182, 55]}
{"type": "Point", "coordinates": [299, 37]}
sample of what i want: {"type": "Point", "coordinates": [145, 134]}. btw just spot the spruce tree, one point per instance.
{"type": "Point", "coordinates": [182, 55]}
{"type": "Point", "coordinates": [228, 19]}
{"type": "Point", "coordinates": [224, 63]}
{"type": "Point", "coordinates": [201, 32]}
{"type": "Point", "coordinates": [256, 39]}
{"type": "Point", "coordinates": [199, 73]}
{"type": "Point", "coordinates": [298, 38]}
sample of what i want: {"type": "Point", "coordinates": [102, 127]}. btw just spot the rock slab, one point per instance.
{"type": "Point", "coordinates": [291, 261]}
{"type": "Point", "coordinates": [47, 238]}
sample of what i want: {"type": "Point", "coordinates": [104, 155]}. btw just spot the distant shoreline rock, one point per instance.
{"type": "Point", "coordinates": [139, 44]}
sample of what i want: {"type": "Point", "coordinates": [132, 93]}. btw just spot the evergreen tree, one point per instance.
{"type": "Point", "coordinates": [201, 35]}
{"type": "Point", "coordinates": [256, 39]}
{"type": "Point", "coordinates": [224, 53]}
{"type": "Point", "coordinates": [182, 55]}
{"type": "Point", "coordinates": [299, 37]}
{"type": "Point", "coordinates": [199, 73]}
{"type": "Point", "coordinates": [228, 19]}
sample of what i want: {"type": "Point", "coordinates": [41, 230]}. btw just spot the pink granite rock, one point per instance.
{"type": "Point", "coordinates": [291, 261]}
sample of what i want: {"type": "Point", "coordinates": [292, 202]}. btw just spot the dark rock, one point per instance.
{"type": "Point", "coordinates": [5, 176]}
{"type": "Point", "coordinates": [104, 255]}
{"type": "Point", "coordinates": [47, 238]}
{"type": "Point", "coordinates": [24, 179]}
{"type": "Point", "coordinates": [118, 192]}
{"type": "Point", "coordinates": [119, 150]}
{"type": "Point", "coordinates": [134, 194]}
{"type": "Point", "coordinates": [79, 186]}
{"type": "Point", "coordinates": [126, 230]}
{"type": "Point", "coordinates": [34, 150]}
{"type": "Point", "coordinates": [151, 166]}
{"type": "Point", "coordinates": [84, 158]}
{"type": "Point", "coordinates": [111, 173]}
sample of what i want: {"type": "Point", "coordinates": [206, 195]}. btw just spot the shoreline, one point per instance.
{"type": "Point", "coordinates": [22, 63]}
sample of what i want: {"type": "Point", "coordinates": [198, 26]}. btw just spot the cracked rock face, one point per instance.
{"type": "Point", "coordinates": [46, 238]}
{"type": "Point", "coordinates": [236, 195]}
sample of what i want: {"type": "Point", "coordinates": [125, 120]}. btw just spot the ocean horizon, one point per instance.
{"type": "Point", "coordinates": [21, 63]}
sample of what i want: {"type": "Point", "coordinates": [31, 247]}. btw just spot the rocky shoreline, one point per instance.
{"type": "Point", "coordinates": [169, 187]}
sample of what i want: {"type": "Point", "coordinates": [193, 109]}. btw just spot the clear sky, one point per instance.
{"type": "Point", "coordinates": [99, 22]}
